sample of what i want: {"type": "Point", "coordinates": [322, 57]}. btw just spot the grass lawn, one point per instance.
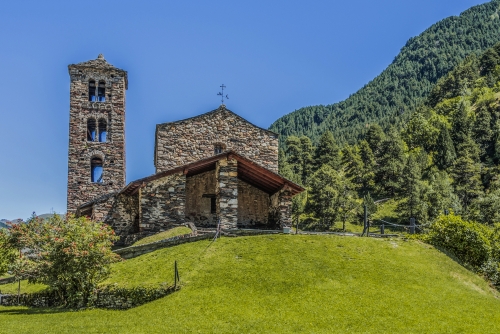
{"type": "Point", "coordinates": [164, 235]}
{"type": "Point", "coordinates": [288, 283]}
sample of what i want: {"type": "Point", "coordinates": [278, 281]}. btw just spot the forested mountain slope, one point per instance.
{"type": "Point", "coordinates": [405, 83]}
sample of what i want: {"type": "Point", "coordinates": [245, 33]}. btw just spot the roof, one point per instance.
{"type": "Point", "coordinates": [248, 171]}
{"type": "Point", "coordinates": [101, 64]}
{"type": "Point", "coordinates": [221, 108]}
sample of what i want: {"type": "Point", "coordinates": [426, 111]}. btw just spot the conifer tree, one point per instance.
{"type": "Point", "coordinates": [374, 137]}
{"type": "Point", "coordinates": [307, 158]}
{"type": "Point", "coordinates": [294, 154]}
{"type": "Point", "coordinates": [368, 174]}
{"type": "Point", "coordinates": [445, 150]}
{"type": "Point", "coordinates": [466, 174]}
{"type": "Point", "coordinates": [440, 195]}
{"type": "Point", "coordinates": [411, 191]}
{"type": "Point", "coordinates": [353, 165]}
{"type": "Point", "coordinates": [327, 152]}
{"type": "Point", "coordinates": [461, 124]}
{"type": "Point", "coordinates": [390, 164]}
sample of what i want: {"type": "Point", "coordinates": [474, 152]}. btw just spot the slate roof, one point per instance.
{"type": "Point", "coordinates": [248, 171]}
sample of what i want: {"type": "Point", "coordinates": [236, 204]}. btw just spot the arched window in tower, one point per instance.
{"type": "Point", "coordinates": [103, 130]}
{"type": "Point", "coordinates": [96, 170]}
{"type": "Point", "coordinates": [101, 91]}
{"type": "Point", "coordinates": [92, 91]}
{"type": "Point", "coordinates": [91, 129]}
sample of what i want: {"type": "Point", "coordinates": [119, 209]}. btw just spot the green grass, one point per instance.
{"type": "Point", "coordinates": [286, 284]}
{"type": "Point", "coordinates": [25, 287]}
{"type": "Point", "coordinates": [164, 235]}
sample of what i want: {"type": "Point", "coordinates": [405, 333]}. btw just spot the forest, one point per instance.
{"type": "Point", "coordinates": [391, 97]}
{"type": "Point", "coordinates": [443, 158]}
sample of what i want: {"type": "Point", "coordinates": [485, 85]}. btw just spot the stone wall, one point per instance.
{"type": "Point", "coordinates": [182, 142]}
{"type": "Point", "coordinates": [281, 208]}
{"type": "Point", "coordinates": [81, 151]}
{"type": "Point", "coordinates": [163, 203]}
{"type": "Point", "coordinates": [199, 188]}
{"type": "Point", "coordinates": [253, 206]}
{"type": "Point", "coordinates": [227, 192]}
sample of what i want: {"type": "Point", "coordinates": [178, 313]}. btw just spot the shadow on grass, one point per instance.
{"type": "Point", "coordinates": [16, 310]}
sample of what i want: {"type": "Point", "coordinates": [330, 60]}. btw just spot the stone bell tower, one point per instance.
{"type": "Point", "coordinates": [96, 156]}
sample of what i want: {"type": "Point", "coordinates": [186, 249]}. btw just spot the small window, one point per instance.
{"type": "Point", "coordinates": [103, 130]}
{"type": "Point", "coordinates": [96, 170]}
{"type": "Point", "coordinates": [213, 205]}
{"type": "Point", "coordinates": [91, 129]}
{"type": "Point", "coordinates": [101, 92]}
{"type": "Point", "coordinates": [218, 149]}
{"type": "Point", "coordinates": [92, 91]}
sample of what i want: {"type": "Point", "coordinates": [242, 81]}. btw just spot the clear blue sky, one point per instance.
{"type": "Point", "coordinates": [273, 56]}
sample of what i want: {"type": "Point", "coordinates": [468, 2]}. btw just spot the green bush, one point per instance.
{"type": "Point", "coordinates": [470, 242]}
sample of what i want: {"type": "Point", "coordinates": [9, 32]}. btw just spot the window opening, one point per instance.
{"type": "Point", "coordinates": [103, 131]}
{"type": "Point", "coordinates": [101, 92]}
{"type": "Point", "coordinates": [96, 170]}
{"type": "Point", "coordinates": [213, 205]}
{"type": "Point", "coordinates": [91, 129]}
{"type": "Point", "coordinates": [218, 149]}
{"type": "Point", "coordinates": [213, 202]}
{"type": "Point", "coordinates": [92, 91]}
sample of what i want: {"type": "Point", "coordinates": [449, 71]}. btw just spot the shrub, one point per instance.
{"type": "Point", "coordinates": [470, 242]}
{"type": "Point", "coordinates": [69, 255]}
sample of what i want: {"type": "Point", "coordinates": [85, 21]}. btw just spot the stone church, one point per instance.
{"type": "Point", "coordinates": [215, 168]}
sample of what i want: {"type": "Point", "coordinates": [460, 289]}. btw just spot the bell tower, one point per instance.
{"type": "Point", "coordinates": [96, 155]}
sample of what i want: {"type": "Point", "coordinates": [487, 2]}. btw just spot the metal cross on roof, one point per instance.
{"type": "Point", "coordinates": [221, 94]}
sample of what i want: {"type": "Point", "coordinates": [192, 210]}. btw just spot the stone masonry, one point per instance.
{"type": "Point", "coordinates": [227, 192]}
{"type": "Point", "coordinates": [162, 203]}
{"type": "Point", "coordinates": [189, 140]}
{"type": "Point", "coordinates": [111, 112]}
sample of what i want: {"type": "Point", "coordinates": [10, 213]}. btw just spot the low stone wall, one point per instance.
{"type": "Point", "coordinates": [7, 280]}
{"type": "Point", "coordinates": [134, 251]}
{"type": "Point", "coordinates": [108, 297]}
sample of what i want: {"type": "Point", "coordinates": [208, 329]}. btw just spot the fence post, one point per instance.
{"type": "Point", "coordinates": [382, 229]}
{"type": "Point", "coordinates": [412, 225]}
{"type": "Point", "coordinates": [176, 275]}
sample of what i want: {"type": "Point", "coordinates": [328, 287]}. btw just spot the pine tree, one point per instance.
{"type": "Point", "coordinates": [324, 189]}
{"type": "Point", "coordinates": [445, 150]}
{"type": "Point", "coordinates": [294, 154]}
{"type": "Point", "coordinates": [353, 165]}
{"type": "Point", "coordinates": [461, 124]}
{"type": "Point", "coordinates": [411, 191]}
{"type": "Point", "coordinates": [390, 164]}
{"type": "Point", "coordinates": [327, 152]}
{"type": "Point", "coordinates": [307, 158]}
{"type": "Point", "coordinates": [374, 137]}
{"type": "Point", "coordinates": [466, 174]}
{"type": "Point", "coordinates": [368, 174]}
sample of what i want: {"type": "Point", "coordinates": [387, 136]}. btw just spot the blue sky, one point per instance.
{"type": "Point", "coordinates": [273, 56]}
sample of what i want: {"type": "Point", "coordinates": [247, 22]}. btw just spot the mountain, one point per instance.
{"type": "Point", "coordinates": [405, 84]}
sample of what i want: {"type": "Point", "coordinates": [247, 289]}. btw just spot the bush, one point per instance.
{"type": "Point", "coordinates": [69, 255]}
{"type": "Point", "coordinates": [470, 242]}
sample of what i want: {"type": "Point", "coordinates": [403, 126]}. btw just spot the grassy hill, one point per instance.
{"type": "Point", "coordinates": [288, 283]}
{"type": "Point", "coordinates": [405, 83]}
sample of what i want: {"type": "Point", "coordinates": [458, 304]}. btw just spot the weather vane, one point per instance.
{"type": "Point", "coordinates": [221, 94]}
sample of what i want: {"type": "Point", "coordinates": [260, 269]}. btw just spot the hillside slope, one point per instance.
{"type": "Point", "coordinates": [405, 83]}
{"type": "Point", "coordinates": [283, 284]}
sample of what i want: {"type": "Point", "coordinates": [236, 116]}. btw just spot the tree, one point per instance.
{"type": "Point", "coordinates": [299, 156]}
{"type": "Point", "coordinates": [440, 195]}
{"type": "Point", "coordinates": [368, 174]}
{"type": "Point", "coordinates": [411, 190]}
{"type": "Point", "coordinates": [69, 255]}
{"type": "Point", "coordinates": [327, 152]}
{"type": "Point", "coordinates": [374, 137]}
{"type": "Point", "coordinates": [7, 252]}
{"type": "Point", "coordinates": [466, 175]}
{"type": "Point", "coordinates": [445, 150]}
{"type": "Point", "coordinates": [324, 190]}
{"type": "Point", "coordinates": [390, 163]}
